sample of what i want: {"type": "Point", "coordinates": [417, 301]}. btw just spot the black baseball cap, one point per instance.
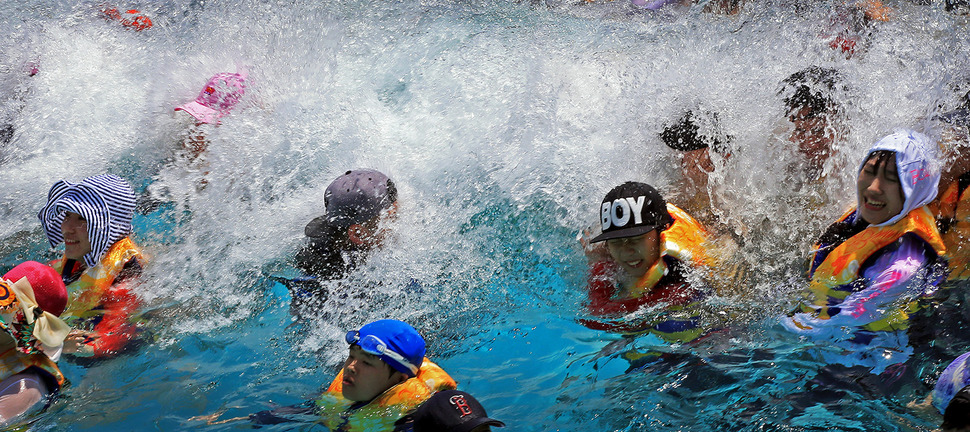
{"type": "Point", "coordinates": [451, 411]}
{"type": "Point", "coordinates": [355, 197]}
{"type": "Point", "coordinates": [632, 209]}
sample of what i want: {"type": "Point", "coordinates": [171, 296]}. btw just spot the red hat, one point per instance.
{"type": "Point", "coordinates": [49, 290]}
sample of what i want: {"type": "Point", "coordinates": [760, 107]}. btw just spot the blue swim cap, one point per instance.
{"type": "Point", "coordinates": [395, 342]}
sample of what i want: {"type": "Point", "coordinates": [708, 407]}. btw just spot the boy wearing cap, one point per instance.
{"type": "Point", "coordinates": [355, 204]}
{"type": "Point", "coordinates": [385, 376]}
{"type": "Point", "coordinates": [652, 246]}
{"type": "Point", "coordinates": [448, 411]}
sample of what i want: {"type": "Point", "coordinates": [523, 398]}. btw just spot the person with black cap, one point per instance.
{"type": "Point", "coordinates": [356, 204]}
{"type": "Point", "coordinates": [651, 248]}
{"type": "Point", "coordinates": [448, 411]}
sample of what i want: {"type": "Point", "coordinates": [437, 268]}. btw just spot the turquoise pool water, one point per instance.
{"type": "Point", "coordinates": [503, 124]}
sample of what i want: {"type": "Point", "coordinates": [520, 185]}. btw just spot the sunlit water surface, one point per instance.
{"type": "Point", "coordinates": [503, 124]}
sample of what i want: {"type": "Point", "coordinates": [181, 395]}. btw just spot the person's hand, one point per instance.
{"type": "Point", "coordinates": [79, 343]}
{"type": "Point", "coordinates": [594, 251]}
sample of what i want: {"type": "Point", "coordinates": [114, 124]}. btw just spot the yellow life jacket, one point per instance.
{"type": "Point", "coordinates": [954, 211]}
{"type": "Point", "coordinates": [84, 294]}
{"type": "Point", "coordinates": [841, 266]}
{"type": "Point", "coordinates": [337, 414]}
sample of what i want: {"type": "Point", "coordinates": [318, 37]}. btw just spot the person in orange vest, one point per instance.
{"type": "Point", "coordinates": [92, 219]}
{"type": "Point", "coordinates": [650, 249]}
{"type": "Point", "coordinates": [386, 375]}
{"type": "Point", "coordinates": [869, 268]}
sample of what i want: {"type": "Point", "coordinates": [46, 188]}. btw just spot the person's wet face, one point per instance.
{"type": "Point", "coordinates": [371, 234]}
{"type": "Point", "coordinates": [813, 134]}
{"type": "Point", "coordinates": [879, 189]}
{"type": "Point", "coordinates": [366, 376]}
{"type": "Point", "coordinates": [635, 254]}
{"type": "Point", "coordinates": [74, 229]}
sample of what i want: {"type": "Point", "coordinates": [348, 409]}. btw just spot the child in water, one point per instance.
{"type": "Point", "coordinates": [651, 247]}
{"type": "Point", "coordinates": [386, 375]}
{"type": "Point", "coordinates": [869, 267]}
{"type": "Point", "coordinates": [93, 221]}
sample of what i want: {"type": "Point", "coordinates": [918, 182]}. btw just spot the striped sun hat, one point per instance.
{"type": "Point", "coordinates": [106, 202]}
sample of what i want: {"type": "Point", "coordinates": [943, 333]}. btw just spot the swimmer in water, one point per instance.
{"type": "Point", "coordinates": [359, 207]}
{"type": "Point", "coordinates": [358, 204]}
{"type": "Point", "coordinates": [385, 376]}
{"type": "Point", "coordinates": [818, 119]}
{"type": "Point", "coordinates": [701, 153]}
{"type": "Point", "coordinates": [650, 249]}
{"type": "Point", "coordinates": [870, 267]}
{"type": "Point", "coordinates": [100, 262]}
{"type": "Point", "coordinates": [218, 97]}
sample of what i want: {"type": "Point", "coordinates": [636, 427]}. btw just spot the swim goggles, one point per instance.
{"type": "Point", "coordinates": [374, 345]}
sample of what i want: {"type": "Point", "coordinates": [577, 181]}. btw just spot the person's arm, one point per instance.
{"type": "Point", "coordinates": [893, 276]}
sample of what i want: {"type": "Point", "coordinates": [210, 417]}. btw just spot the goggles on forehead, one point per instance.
{"type": "Point", "coordinates": [374, 345]}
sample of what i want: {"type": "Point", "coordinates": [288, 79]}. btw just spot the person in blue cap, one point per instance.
{"type": "Point", "coordinates": [385, 376]}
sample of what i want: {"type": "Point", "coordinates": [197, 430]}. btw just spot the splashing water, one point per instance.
{"type": "Point", "coordinates": [503, 124]}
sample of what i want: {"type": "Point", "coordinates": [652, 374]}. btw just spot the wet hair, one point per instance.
{"type": "Point", "coordinates": [685, 135]}
{"type": "Point", "coordinates": [882, 157]}
{"type": "Point", "coordinates": [391, 191]}
{"type": "Point", "coordinates": [6, 133]}
{"type": "Point", "coordinates": [812, 88]}
{"type": "Point", "coordinates": [957, 413]}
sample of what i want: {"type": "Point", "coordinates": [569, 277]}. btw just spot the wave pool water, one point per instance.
{"type": "Point", "coordinates": [503, 124]}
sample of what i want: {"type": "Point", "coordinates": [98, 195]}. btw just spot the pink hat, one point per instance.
{"type": "Point", "coordinates": [49, 290]}
{"type": "Point", "coordinates": [220, 94]}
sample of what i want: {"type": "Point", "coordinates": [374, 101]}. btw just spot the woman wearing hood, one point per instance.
{"type": "Point", "coordinates": [869, 268]}
{"type": "Point", "coordinates": [93, 220]}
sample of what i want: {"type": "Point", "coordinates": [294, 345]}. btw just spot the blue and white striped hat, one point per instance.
{"type": "Point", "coordinates": [106, 202]}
